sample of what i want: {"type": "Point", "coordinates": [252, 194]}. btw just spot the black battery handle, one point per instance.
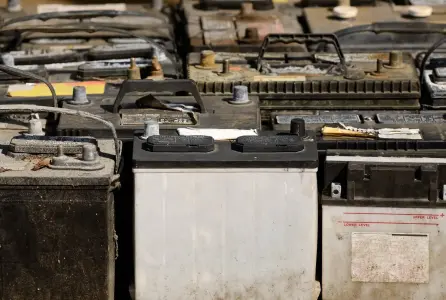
{"type": "Point", "coordinates": [301, 39]}
{"type": "Point", "coordinates": [173, 86]}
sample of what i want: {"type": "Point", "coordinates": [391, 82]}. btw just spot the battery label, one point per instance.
{"type": "Point", "coordinates": [410, 118]}
{"type": "Point", "coordinates": [320, 119]}
{"type": "Point", "coordinates": [174, 119]}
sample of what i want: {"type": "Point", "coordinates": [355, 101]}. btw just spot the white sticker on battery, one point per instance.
{"type": "Point", "coordinates": [217, 134]}
{"type": "Point", "coordinates": [390, 257]}
{"type": "Point", "coordinates": [47, 8]}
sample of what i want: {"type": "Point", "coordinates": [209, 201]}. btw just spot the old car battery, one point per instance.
{"type": "Point", "coordinates": [252, 235]}
{"type": "Point", "coordinates": [139, 100]}
{"type": "Point", "coordinates": [57, 224]}
{"type": "Point", "coordinates": [239, 26]}
{"type": "Point", "coordinates": [314, 81]}
{"type": "Point", "coordinates": [382, 216]}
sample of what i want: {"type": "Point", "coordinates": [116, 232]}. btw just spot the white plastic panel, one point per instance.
{"type": "Point", "coordinates": [225, 234]}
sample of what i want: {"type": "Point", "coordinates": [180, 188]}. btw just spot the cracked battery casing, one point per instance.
{"type": "Point", "coordinates": [383, 217]}
{"type": "Point", "coordinates": [252, 235]}
{"type": "Point", "coordinates": [238, 26]}
{"type": "Point", "coordinates": [57, 223]}
{"type": "Point", "coordinates": [315, 81]}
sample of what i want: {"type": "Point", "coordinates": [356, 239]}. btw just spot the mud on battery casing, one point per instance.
{"type": "Point", "coordinates": [257, 226]}
{"type": "Point", "coordinates": [383, 217]}
{"type": "Point", "coordinates": [314, 81]}
{"type": "Point", "coordinates": [57, 215]}
{"type": "Point", "coordinates": [140, 100]}
{"type": "Point", "coordinates": [323, 20]}
{"type": "Point", "coordinates": [239, 26]}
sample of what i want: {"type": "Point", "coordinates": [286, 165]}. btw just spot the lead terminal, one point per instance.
{"type": "Point", "coordinates": [297, 127]}
{"type": "Point", "coordinates": [247, 9]}
{"type": "Point", "coordinates": [79, 96]}
{"type": "Point", "coordinates": [89, 152]}
{"type": "Point", "coordinates": [151, 128]}
{"type": "Point", "coordinates": [35, 127]}
{"type": "Point", "coordinates": [395, 60]}
{"type": "Point", "coordinates": [157, 69]}
{"type": "Point", "coordinates": [207, 60]}
{"type": "Point", "coordinates": [8, 60]}
{"type": "Point", "coordinates": [14, 6]}
{"type": "Point", "coordinates": [240, 95]}
{"type": "Point", "coordinates": [226, 66]}
{"type": "Point", "coordinates": [419, 11]}
{"type": "Point", "coordinates": [133, 73]}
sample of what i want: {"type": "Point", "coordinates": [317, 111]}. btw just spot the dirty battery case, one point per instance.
{"type": "Point", "coordinates": [239, 26]}
{"type": "Point", "coordinates": [57, 220]}
{"type": "Point", "coordinates": [314, 81]}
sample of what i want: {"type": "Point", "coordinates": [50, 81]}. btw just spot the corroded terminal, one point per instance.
{"type": "Point", "coordinates": [157, 69]}
{"type": "Point", "coordinates": [345, 12]}
{"type": "Point", "coordinates": [207, 59]}
{"type": "Point", "coordinates": [247, 9]}
{"type": "Point", "coordinates": [133, 73]}
{"type": "Point", "coordinates": [395, 60]}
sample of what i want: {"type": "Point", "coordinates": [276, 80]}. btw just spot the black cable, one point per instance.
{"type": "Point", "coordinates": [426, 57]}
{"type": "Point", "coordinates": [25, 74]}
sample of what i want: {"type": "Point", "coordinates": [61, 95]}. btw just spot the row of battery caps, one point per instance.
{"type": "Point", "coordinates": [57, 208]}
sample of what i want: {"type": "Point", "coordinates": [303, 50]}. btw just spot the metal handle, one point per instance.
{"type": "Point", "coordinates": [181, 85]}
{"type": "Point", "coordinates": [235, 4]}
{"type": "Point", "coordinates": [301, 39]}
{"type": "Point", "coordinates": [84, 14]}
{"type": "Point", "coordinates": [21, 108]}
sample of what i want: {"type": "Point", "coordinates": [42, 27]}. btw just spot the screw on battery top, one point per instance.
{"type": "Point", "coordinates": [240, 95]}
{"type": "Point", "coordinates": [79, 96]}
{"type": "Point", "coordinates": [14, 5]}
{"type": "Point", "coordinates": [151, 128]}
{"type": "Point", "coordinates": [35, 127]}
{"type": "Point", "coordinates": [133, 73]}
{"type": "Point", "coordinates": [89, 152]}
{"type": "Point", "coordinates": [297, 127]}
{"type": "Point", "coordinates": [8, 60]}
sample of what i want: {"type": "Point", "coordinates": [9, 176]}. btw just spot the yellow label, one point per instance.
{"type": "Point", "coordinates": [61, 88]}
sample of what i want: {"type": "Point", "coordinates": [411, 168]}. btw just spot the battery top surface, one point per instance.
{"type": "Point", "coordinates": [204, 152]}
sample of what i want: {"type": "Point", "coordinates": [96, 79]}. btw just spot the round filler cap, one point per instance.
{"type": "Point", "coordinates": [345, 12]}
{"type": "Point", "coordinates": [419, 11]}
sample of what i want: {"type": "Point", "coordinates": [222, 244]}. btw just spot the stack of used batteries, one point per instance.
{"type": "Point", "coordinates": [210, 149]}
